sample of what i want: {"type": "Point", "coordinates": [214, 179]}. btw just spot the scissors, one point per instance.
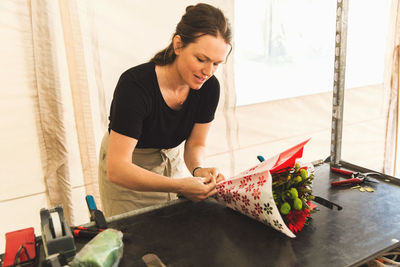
{"type": "Point", "coordinates": [355, 177]}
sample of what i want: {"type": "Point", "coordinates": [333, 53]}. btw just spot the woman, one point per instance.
{"type": "Point", "coordinates": [156, 107]}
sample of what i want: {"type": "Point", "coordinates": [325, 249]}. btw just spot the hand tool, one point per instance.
{"type": "Point", "coordinates": [91, 229]}
{"type": "Point", "coordinates": [80, 231]}
{"type": "Point", "coordinates": [326, 203]}
{"type": "Point", "coordinates": [95, 215]}
{"type": "Point", "coordinates": [84, 233]}
{"type": "Point", "coordinates": [355, 177]}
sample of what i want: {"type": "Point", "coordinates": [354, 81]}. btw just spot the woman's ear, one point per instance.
{"type": "Point", "coordinates": [177, 43]}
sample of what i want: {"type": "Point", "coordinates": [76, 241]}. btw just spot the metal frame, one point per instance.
{"type": "Point", "coordinates": [338, 83]}
{"type": "Point", "coordinates": [338, 93]}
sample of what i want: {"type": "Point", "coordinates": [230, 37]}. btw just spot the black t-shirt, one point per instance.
{"type": "Point", "coordinates": [138, 109]}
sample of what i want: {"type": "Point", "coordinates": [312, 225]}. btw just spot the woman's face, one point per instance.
{"type": "Point", "coordinates": [199, 60]}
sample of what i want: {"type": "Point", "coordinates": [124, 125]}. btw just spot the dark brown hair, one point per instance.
{"type": "Point", "coordinates": [199, 20]}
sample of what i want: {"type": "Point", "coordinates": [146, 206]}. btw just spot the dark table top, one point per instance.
{"type": "Point", "coordinates": [208, 234]}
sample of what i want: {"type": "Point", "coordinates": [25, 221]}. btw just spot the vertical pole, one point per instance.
{"type": "Point", "coordinates": [338, 83]}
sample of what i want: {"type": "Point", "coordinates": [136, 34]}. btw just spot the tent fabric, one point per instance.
{"type": "Point", "coordinates": [392, 82]}
{"type": "Point", "coordinates": [80, 92]}
{"type": "Point", "coordinates": [53, 145]}
{"type": "Point", "coordinates": [57, 40]}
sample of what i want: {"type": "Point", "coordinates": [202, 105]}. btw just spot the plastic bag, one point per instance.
{"type": "Point", "coordinates": [104, 250]}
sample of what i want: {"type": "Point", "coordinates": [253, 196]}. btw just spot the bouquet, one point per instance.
{"type": "Point", "coordinates": [276, 192]}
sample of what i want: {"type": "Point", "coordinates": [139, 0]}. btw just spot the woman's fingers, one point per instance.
{"type": "Point", "coordinates": [212, 192]}
{"type": "Point", "coordinates": [205, 186]}
{"type": "Point", "coordinates": [208, 179]}
{"type": "Point", "coordinates": [215, 173]}
{"type": "Point", "coordinates": [208, 188]}
{"type": "Point", "coordinates": [220, 178]}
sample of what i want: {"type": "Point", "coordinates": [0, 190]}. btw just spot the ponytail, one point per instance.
{"type": "Point", "coordinates": [165, 56]}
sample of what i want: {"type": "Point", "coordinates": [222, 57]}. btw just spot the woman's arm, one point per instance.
{"type": "Point", "coordinates": [121, 171]}
{"type": "Point", "coordinates": [195, 148]}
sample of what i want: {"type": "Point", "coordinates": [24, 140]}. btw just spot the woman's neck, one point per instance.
{"type": "Point", "coordinates": [169, 78]}
{"type": "Point", "coordinates": [173, 90]}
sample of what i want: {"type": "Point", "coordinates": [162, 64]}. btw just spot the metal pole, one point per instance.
{"type": "Point", "coordinates": [338, 83]}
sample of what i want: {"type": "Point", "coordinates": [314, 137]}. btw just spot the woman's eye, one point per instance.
{"type": "Point", "coordinates": [199, 59]}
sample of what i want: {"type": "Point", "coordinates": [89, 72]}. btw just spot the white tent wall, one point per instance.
{"type": "Point", "coordinates": [65, 57]}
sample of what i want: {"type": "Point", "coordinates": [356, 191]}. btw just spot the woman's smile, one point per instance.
{"type": "Point", "coordinates": [200, 79]}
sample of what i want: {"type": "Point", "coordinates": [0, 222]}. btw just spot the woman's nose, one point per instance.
{"type": "Point", "coordinates": [208, 70]}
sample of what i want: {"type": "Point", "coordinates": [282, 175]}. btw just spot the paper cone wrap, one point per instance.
{"type": "Point", "coordinates": [250, 192]}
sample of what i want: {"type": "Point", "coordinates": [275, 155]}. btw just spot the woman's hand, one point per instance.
{"type": "Point", "coordinates": [197, 188]}
{"type": "Point", "coordinates": [205, 172]}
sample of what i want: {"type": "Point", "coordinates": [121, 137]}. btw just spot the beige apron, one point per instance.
{"type": "Point", "coordinates": [116, 199]}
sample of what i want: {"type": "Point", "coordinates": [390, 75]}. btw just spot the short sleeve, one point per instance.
{"type": "Point", "coordinates": [128, 107]}
{"type": "Point", "coordinates": [209, 98]}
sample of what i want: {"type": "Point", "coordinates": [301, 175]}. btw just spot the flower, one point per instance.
{"type": "Point", "coordinates": [296, 219]}
{"type": "Point", "coordinates": [291, 188]}
{"type": "Point", "coordinates": [276, 192]}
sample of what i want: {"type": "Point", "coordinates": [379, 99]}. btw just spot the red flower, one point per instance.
{"type": "Point", "coordinates": [255, 214]}
{"type": "Point", "coordinates": [296, 219]}
{"type": "Point", "coordinates": [261, 181]}
{"type": "Point", "coordinates": [249, 188]}
{"type": "Point", "coordinates": [245, 200]}
{"type": "Point", "coordinates": [227, 198]}
{"type": "Point", "coordinates": [236, 196]}
{"type": "Point", "coordinates": [229, 189]}
{"type": "Point", "coordinates": [243, 183]}
{"type": "Point", "coordinates": [256, 193]}
{"type": "Point", "coordinates": [258, 208]}
{"type": "Point", "coordinates": [248, 178]}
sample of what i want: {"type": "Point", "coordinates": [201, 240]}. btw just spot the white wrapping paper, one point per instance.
{"type": "Point", "coordinates": [250, 192]}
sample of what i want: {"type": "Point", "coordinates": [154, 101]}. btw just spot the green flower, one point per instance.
{"type": "Point", "coordinates": [285, 208]}
{"type": "Point", "coordinates": [298, 179]}
{"type": "Point", "coordinates": [292, 193]}
{"type": "Point", "coordinates": [303, 173]}
{"type": "Point", "coordinates": [296, 167]}
{"type": "Point", "coordinates": [297, 204]}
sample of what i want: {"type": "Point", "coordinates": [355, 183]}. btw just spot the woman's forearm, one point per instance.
{"type": "Point", "coordinates": [195, 146]}
{"type": "Point", "coordinates": [131, 176]}
{"type": "Point", "coordinates": [136, 178]}
{"type": "Point", "coordinates": [194, 157]}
